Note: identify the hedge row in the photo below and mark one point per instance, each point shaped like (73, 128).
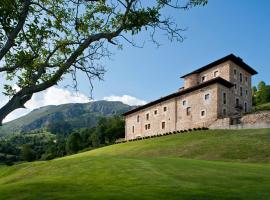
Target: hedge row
(164, 134)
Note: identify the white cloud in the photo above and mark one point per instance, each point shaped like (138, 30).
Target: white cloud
(57, 96)
(132, 101)
(51, 96)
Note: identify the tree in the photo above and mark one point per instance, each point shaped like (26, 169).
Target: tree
(73, 144)
(42, 41)
(115, 129)
(62, 127)
(261, 85)
(27, 153)
(254, 92)
(262, 94)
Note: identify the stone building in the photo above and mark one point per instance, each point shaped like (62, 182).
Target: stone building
(219, 91)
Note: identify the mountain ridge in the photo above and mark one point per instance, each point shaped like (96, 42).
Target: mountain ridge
(73, 115)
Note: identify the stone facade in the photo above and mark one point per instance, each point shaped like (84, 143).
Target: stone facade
(220, 90)
(259, 119)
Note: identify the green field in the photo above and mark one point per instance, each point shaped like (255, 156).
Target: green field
(202, 165)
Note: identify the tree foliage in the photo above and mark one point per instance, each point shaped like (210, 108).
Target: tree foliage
(41, 145)
(27, 153)
(41, 41)
(261, 93)
(73, 143)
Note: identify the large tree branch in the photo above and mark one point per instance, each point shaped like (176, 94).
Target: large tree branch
(8, 69)
(50, 66)
(25, 94)
(14, 33)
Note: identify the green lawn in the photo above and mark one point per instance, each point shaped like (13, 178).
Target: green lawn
(193, 166)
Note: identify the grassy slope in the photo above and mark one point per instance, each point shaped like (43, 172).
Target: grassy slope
(159, 168)
(265, 106)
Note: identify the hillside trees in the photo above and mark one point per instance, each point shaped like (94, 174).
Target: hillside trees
(42, 41)
(73, 143)
(27, 153)
(42, 145)
(261, 93)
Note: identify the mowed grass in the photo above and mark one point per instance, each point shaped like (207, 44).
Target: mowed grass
(201, 165)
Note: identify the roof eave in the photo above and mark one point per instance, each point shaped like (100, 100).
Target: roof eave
(186, 91)
(231, 57)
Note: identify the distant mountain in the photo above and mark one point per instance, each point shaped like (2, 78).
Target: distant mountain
(67, 116)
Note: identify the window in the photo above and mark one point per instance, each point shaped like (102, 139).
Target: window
(241, 91)
(235, 88)
(155, 112)
(132, 129)
(246, 92)
(245, 107)
(163, 124)
(203, 113)
(235, 73)
(224, 98)
(188, 111)
(206, 97)
(184, 103)
(241, 77)
(246, 79)
(215, 74)
(147, 126)
(237, 102)
(224, 111)
(138, 118)
(147, 116)
(165, 109)
(203, 78)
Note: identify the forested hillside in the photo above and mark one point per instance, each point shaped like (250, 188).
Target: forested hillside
(63, 119)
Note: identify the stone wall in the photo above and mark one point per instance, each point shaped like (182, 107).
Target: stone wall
(259, 119)
(148, 121)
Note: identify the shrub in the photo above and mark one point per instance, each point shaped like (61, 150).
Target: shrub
(189, 129)
(9, 163)
(48, 156)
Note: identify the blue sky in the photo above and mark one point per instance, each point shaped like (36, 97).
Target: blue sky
(221, 27)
